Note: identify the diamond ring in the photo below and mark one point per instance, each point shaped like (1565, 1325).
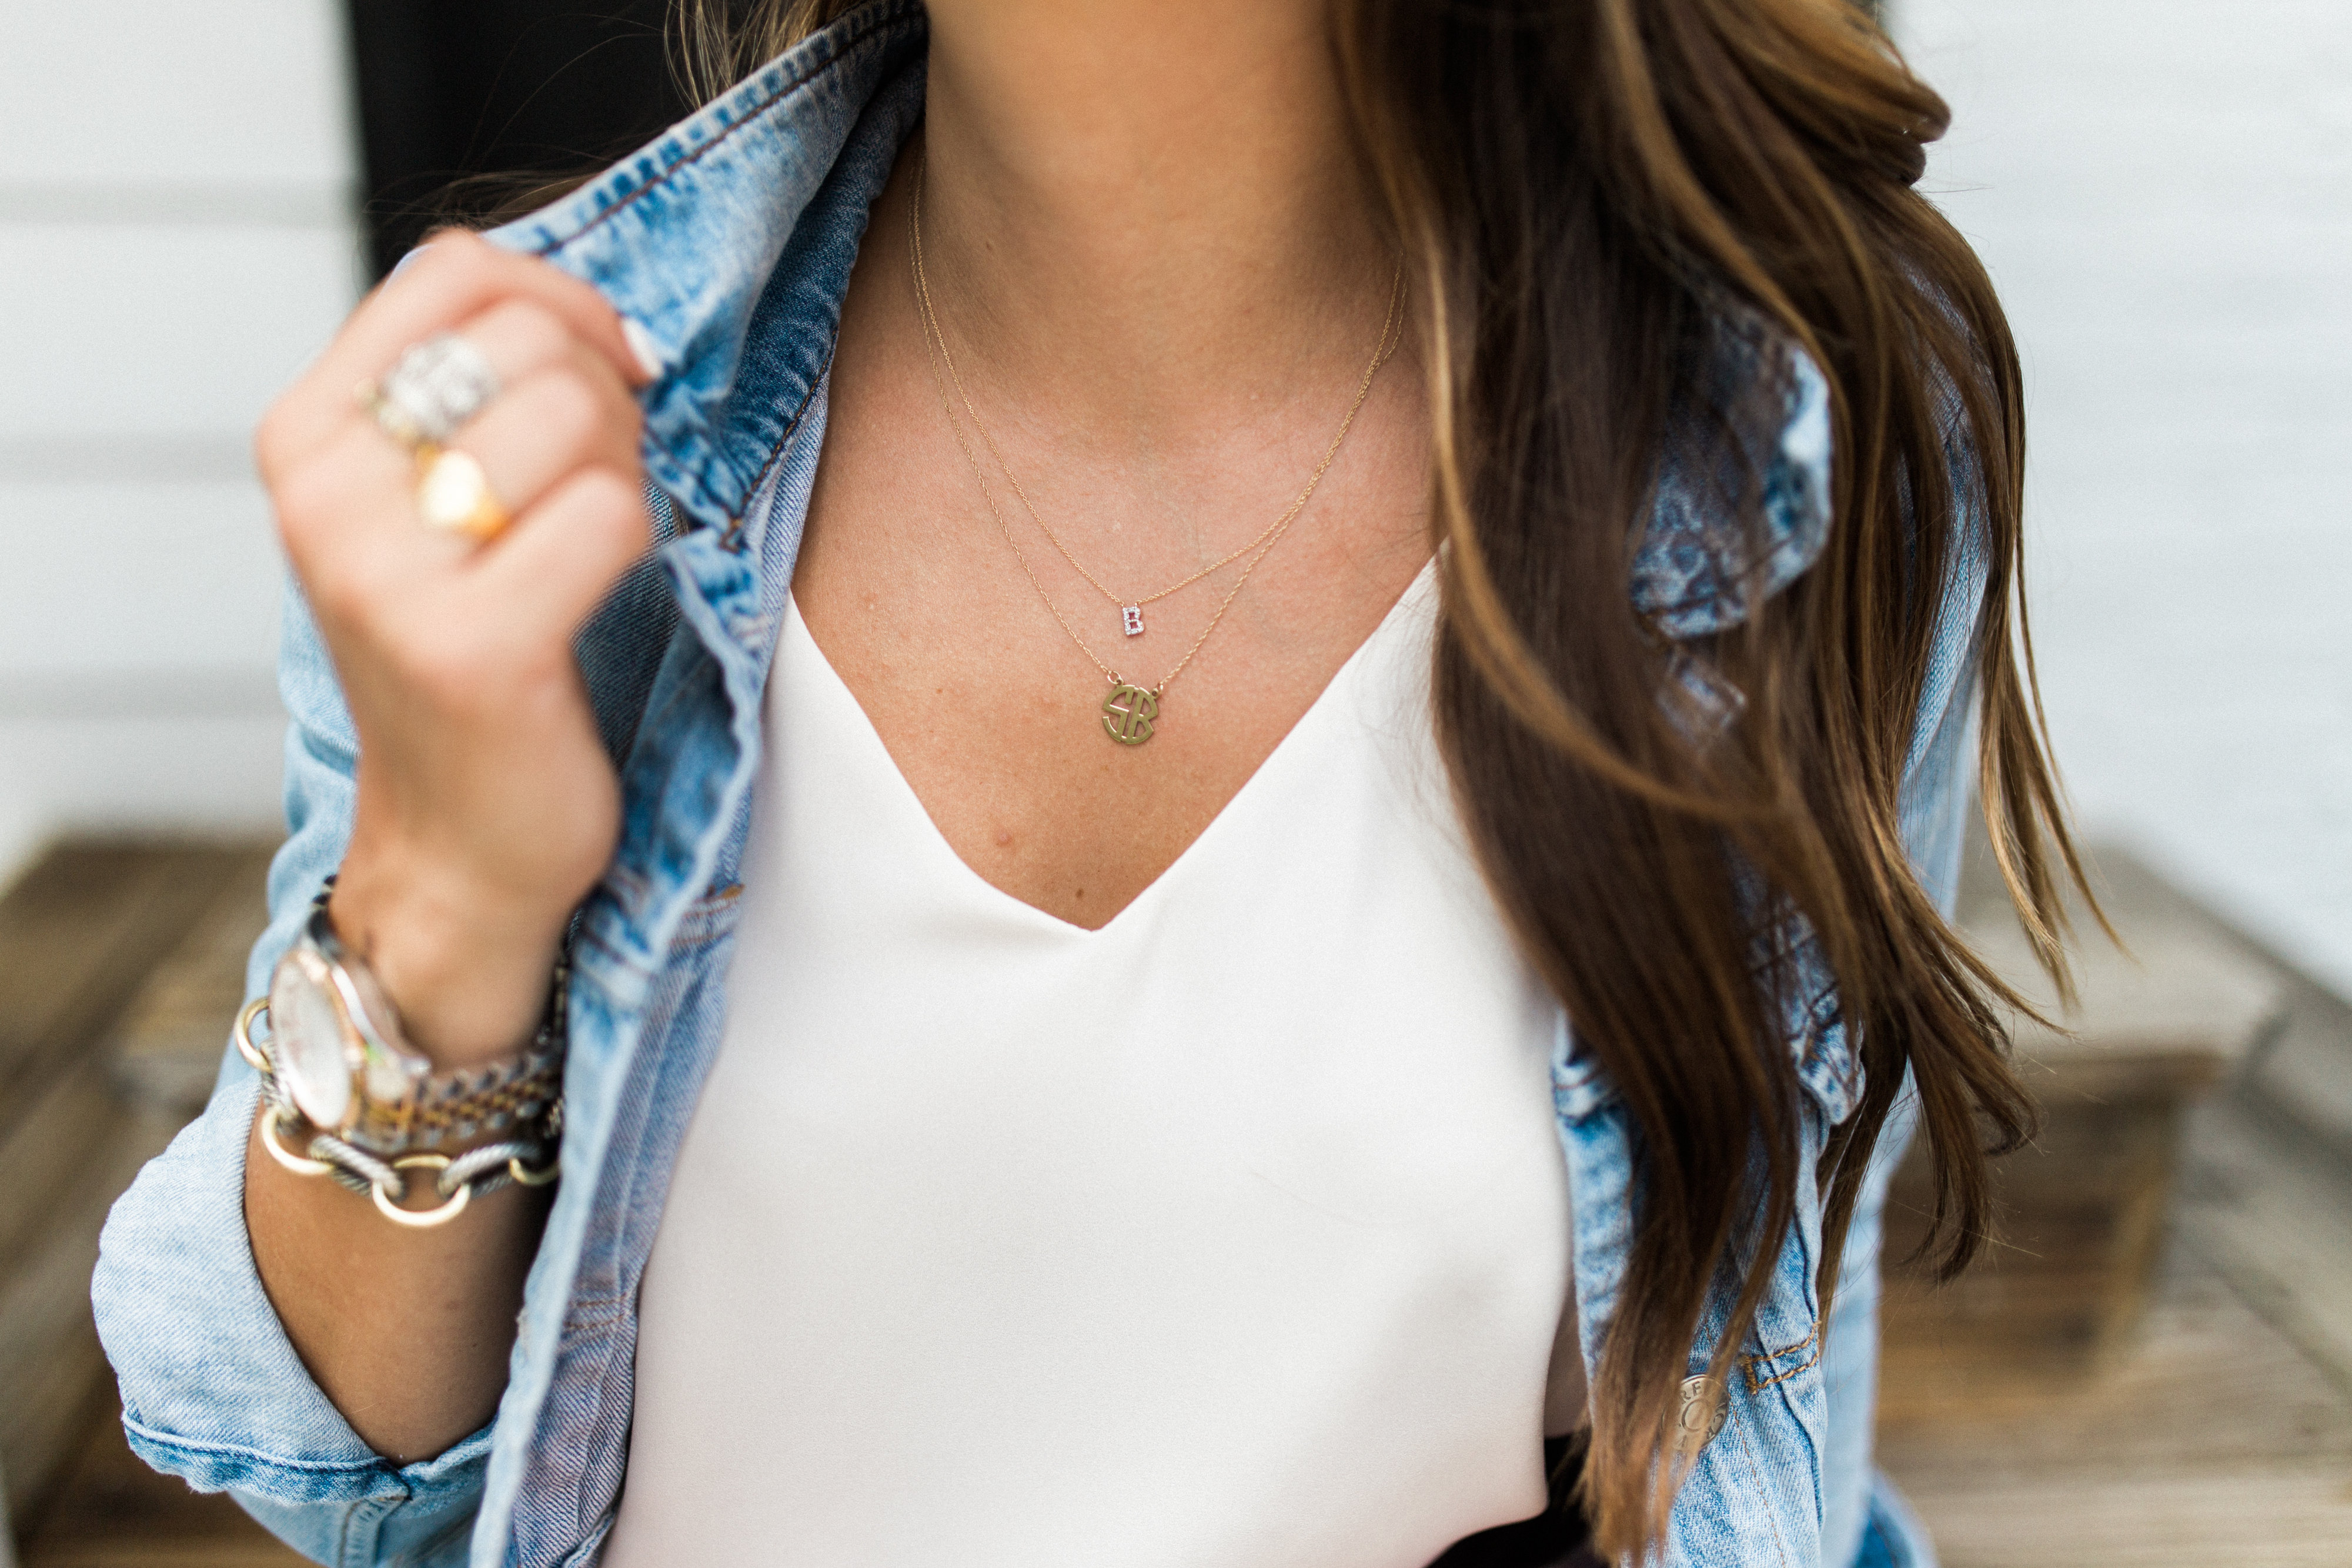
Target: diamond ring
(427, 397)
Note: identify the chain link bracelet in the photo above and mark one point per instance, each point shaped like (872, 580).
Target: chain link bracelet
(458, 1179)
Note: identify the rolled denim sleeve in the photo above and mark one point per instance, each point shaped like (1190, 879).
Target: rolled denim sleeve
(213, 1391)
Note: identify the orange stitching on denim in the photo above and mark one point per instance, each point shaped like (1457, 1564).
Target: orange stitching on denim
(706, 920)
(1758, 1386)
(884, 18)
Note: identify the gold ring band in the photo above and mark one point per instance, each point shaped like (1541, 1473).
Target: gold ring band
(243, 1035)
(453, 495)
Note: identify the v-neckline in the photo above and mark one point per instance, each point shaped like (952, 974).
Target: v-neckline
(936, 844)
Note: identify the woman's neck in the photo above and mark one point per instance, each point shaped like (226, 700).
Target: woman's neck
(1151, 213)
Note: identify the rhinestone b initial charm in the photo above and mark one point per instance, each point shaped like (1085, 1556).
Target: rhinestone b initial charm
(1130, 618)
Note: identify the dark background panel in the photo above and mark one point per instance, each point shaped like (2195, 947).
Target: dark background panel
(468, 105)
(465, 104)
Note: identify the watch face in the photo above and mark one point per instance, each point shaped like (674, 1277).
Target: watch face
(391, 1075)
(306, 1021)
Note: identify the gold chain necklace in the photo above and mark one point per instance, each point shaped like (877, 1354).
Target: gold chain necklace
(1130, 711)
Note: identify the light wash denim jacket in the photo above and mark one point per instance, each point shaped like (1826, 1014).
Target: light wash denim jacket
(728, 244)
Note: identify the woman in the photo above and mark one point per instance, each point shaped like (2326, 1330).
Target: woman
(1265, 618)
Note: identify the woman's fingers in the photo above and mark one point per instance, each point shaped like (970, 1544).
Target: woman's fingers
(356, 499)
(348, 520)
(557, 445)
(554, 564)
(571, 413)
(520, 336)
(459, 277)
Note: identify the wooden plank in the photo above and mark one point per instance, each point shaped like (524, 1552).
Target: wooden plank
(43, 1153)
(2272, 1211)
(168, 1553)
(2207, 1376)
(167, 1045)
(105, 1509)
(2307, 1076)
(78, 933)
(2080, 1222)
(2299, 1517)
(2080, 1215)
(2304, 1073)
(50, 1409)
(115, 1513)
(2176, 1009)
(2211, 1439)
(49, 1360)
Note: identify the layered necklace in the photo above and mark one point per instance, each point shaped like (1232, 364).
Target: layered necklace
(1131, 710)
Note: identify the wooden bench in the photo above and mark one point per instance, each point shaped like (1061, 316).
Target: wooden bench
(120, 966)
(2082, 1211)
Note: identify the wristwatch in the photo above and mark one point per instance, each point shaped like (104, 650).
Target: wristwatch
(337, 1054)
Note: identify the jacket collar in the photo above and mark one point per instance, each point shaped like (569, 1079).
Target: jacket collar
(727, 245)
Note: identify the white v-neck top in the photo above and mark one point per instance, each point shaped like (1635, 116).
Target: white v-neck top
(1233, 1233)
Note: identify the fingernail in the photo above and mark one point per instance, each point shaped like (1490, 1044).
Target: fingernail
(641, 343)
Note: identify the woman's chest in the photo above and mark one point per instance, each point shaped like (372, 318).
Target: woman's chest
(984, 596)
(1259, 1180)
(1317, 998)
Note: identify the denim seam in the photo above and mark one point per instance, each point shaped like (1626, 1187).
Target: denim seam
(590, 974)
(593, 1542)
(366, 1515)
(732, 537)
(611, 1301)
(698, 927)
(884, 18)
(708, 918)
(1756, 1474)
(236, 1450)
(585, 1326)
(708, 928)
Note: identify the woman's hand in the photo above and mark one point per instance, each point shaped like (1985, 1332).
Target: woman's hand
(486, 805)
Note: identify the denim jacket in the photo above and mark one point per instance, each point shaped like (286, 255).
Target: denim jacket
(727, 246)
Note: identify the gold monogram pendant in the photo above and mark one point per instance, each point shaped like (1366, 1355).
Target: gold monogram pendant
(1128, 713)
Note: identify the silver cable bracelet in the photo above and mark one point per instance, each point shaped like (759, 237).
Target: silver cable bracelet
(459, 1180)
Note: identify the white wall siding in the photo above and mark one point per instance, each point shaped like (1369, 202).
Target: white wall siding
(229, 93)
(123, 582)
(143, 330)
(176, 241)
(2163, 192)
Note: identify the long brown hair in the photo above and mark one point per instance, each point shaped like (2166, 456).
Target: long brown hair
(1586, 190)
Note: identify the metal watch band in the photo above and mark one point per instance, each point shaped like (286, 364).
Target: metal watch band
(449, 1106)
(383, 1144)
(457, 1181)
